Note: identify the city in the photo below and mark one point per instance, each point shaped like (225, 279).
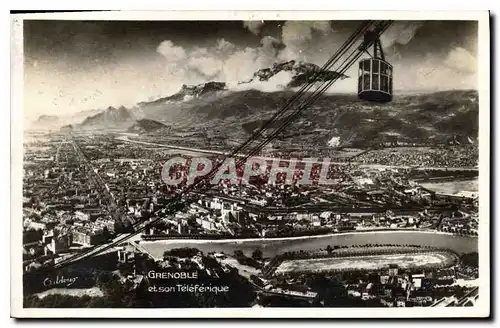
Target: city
(83, 190)
(282, 165)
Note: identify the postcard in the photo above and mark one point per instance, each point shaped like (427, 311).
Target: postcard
(250, 164)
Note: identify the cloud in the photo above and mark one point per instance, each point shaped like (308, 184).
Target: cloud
(254, 26)
(222, 61)
(315, 42)
(400, 32)
(460, 60)
(224, 47)
(309, 41)
(304, 39)
(299, 31)
(199, 51)
(271, 46)
(206, 66)
(139, 78)
(170, 51)
(433, 73)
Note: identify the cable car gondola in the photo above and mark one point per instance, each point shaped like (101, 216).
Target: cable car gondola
(375, 74)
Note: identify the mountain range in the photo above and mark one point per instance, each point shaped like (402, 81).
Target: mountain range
(111, 117)
(188, 92)
(422, 118)
(213, 106)
(121, 117)
(301, 73)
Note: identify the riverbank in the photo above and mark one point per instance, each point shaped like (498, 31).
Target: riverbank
(239, 240)
(273, 246)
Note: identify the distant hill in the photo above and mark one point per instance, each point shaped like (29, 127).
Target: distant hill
(110, 118)
(146, 126)
(47, 119)
(78, 117)
(190, 91)
(68, 127)
(55, 122)
(47, 122)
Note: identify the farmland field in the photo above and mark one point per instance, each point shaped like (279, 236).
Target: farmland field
(369, 262)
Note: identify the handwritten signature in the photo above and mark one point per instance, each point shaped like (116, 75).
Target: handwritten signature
(60, 280)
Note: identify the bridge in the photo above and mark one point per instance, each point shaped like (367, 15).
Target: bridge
(138, 247)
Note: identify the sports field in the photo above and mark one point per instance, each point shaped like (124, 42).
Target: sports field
(368, 262)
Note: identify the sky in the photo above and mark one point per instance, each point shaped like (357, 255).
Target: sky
(72, 66)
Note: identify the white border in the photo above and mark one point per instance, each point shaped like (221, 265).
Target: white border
(482, 308)
(484, 162)
(262, 15)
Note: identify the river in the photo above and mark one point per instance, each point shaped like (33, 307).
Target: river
(272, 247)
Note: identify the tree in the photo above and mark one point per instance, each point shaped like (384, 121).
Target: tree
(257, 254)
(125, 269)
(185, 252)
(104, 278)
(329, 249)
(470, 259)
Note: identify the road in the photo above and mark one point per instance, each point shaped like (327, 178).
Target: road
(94, 173)
(104, 188)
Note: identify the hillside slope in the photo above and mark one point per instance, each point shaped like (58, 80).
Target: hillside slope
(436, 117)
(111, 118)
(146, 126)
